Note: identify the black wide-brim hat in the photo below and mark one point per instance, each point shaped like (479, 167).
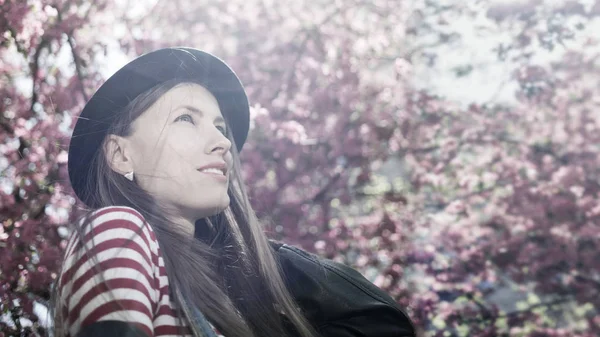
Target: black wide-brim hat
(136, 77)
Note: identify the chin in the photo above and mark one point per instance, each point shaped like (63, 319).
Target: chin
(213, 208)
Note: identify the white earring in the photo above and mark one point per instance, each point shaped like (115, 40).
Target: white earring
(129, 176)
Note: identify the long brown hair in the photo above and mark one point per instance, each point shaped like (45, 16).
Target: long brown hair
(231, 273)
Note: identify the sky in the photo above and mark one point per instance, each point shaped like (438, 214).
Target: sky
(489, 81)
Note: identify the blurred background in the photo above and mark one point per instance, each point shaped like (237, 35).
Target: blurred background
(448, 150)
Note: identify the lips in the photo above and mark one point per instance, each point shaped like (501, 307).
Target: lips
(218, 168)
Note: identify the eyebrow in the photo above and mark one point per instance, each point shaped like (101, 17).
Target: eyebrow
(199, 112)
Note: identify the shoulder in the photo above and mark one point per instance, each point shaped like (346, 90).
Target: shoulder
(116, 219)
(113, 226)
(112, 213)
(337, 298)
(111, 271)
(114, 238)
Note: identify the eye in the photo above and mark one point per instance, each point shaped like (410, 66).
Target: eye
(185, 118)
(222, 129)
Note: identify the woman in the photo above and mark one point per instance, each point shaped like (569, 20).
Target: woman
(171, 245)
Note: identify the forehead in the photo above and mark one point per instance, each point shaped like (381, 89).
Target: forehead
(185, 95)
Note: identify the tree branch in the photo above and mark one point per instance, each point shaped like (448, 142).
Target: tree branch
(464, 142)
(20, 48)
(562, 300)
(76, 58)
(302, 48)
(558, 301)
(321, 194)
(77, 62)
(35, 66)
(588, 280)
(487, 313)
(442, 205)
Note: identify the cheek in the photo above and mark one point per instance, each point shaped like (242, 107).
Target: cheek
(184, 147)
(174, 154)
(184, 142)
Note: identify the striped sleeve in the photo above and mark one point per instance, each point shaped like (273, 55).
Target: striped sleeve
(115, 278)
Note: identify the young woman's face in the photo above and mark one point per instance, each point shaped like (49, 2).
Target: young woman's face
(180, 152)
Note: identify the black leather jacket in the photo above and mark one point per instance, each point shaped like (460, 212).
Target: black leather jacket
(338, 300)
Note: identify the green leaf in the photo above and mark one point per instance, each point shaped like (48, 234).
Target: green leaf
(501, 323)
(533, 299)
(438, 323)
(463, 330)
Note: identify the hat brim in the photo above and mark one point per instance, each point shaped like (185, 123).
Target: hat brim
(138, 76)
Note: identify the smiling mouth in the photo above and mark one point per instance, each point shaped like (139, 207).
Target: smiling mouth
(213, 170)
(216, 173)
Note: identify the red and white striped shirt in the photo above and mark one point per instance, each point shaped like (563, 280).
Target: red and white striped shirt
(133, 273)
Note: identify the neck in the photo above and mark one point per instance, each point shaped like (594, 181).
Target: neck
(182, 224)
(204, 231)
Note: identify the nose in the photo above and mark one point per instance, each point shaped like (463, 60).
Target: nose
(220, 144)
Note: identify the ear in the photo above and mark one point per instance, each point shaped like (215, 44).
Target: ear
(117, 150)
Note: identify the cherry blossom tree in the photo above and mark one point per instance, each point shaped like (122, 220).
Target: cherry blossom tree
(448, 208)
